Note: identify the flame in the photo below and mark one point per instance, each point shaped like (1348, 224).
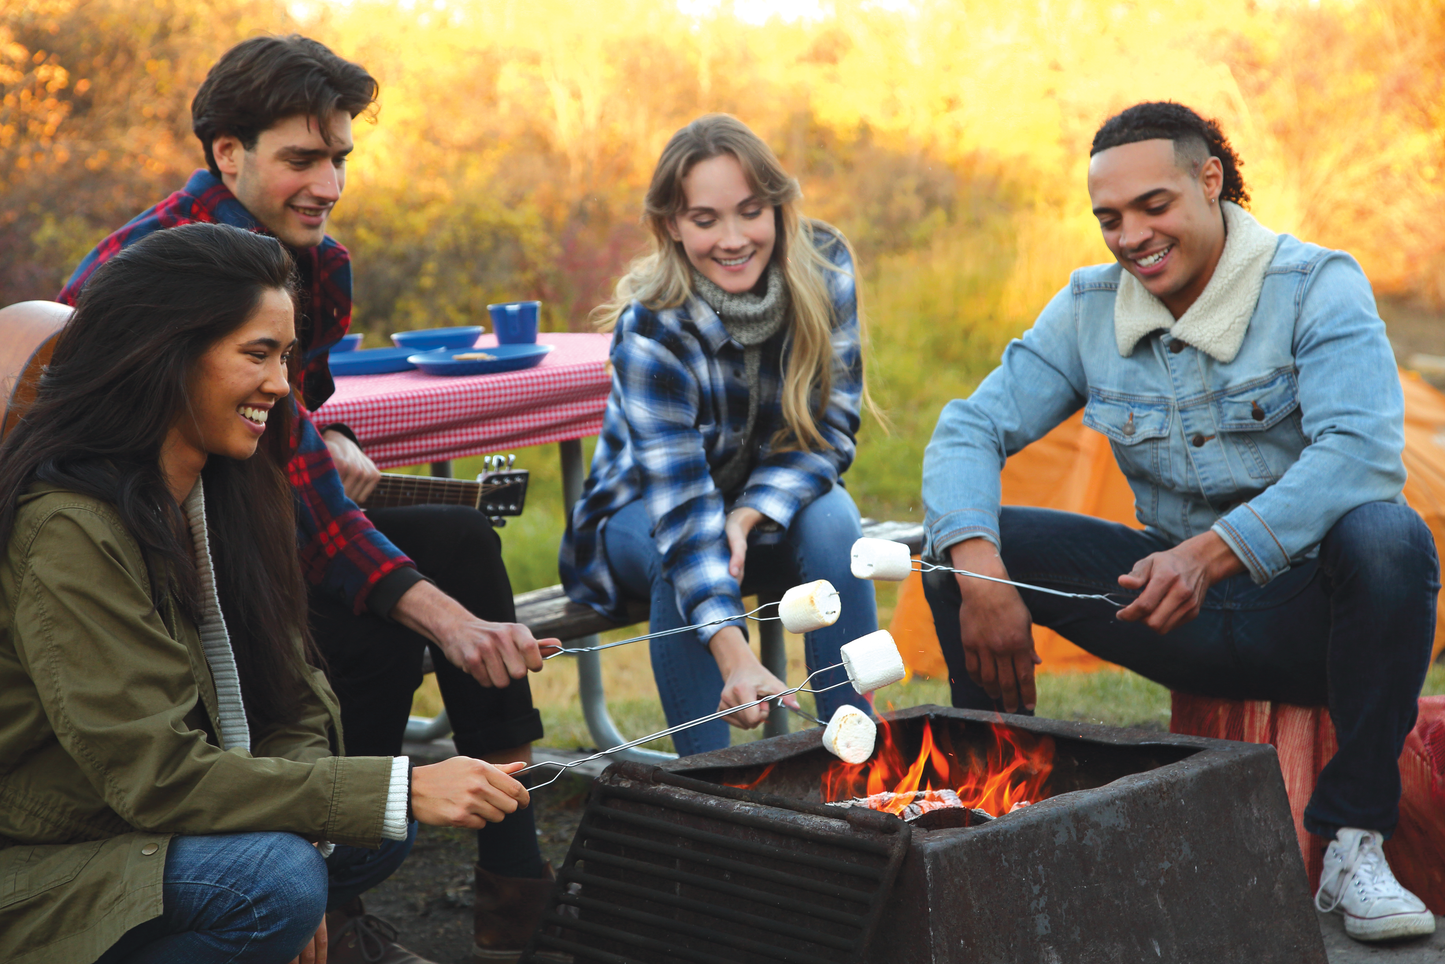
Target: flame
(1015, 769)
(761, 777)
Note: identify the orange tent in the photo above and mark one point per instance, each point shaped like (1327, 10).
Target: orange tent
(1073, 468)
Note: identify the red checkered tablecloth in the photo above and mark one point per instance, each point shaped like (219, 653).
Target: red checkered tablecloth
(407, 418)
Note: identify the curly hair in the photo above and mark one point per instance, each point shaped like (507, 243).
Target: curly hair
(1195, 138)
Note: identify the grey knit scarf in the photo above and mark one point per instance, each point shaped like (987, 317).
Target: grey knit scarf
(750, 319)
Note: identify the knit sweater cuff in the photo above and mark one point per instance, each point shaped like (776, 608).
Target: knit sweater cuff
(393, 823)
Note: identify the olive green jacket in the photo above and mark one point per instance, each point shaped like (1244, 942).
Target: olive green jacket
(108, 741)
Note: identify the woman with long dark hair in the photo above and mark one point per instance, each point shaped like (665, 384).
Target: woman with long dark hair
(169, 754)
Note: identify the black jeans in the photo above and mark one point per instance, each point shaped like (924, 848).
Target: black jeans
(1351, 630)
(375, 664)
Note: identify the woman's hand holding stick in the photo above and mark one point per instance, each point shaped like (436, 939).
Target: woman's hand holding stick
(745, 679)
(463, 792)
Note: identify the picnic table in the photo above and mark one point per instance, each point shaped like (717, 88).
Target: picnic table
(408, 418)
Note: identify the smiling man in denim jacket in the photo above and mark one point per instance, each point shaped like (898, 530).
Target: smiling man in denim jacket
(1245, 383)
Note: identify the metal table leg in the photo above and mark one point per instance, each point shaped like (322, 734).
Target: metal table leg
(424, 729)
(589, 665)
(775, 660)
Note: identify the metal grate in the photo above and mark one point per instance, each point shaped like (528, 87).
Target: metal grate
(665, 868)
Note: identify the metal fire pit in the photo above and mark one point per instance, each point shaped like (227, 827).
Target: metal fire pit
(1152, 847)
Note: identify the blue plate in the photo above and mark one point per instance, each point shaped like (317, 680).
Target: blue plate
(505, 358)
(431, 339)
(347, 343)
(371, 361)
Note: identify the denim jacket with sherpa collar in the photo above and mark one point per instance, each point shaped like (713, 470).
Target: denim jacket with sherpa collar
(1291, 418)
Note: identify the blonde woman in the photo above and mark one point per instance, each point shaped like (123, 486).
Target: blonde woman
(738, 378)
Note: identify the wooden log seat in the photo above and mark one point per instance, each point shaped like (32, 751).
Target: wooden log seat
(1304, 738)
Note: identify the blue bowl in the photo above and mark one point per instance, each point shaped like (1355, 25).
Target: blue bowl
(504, 358)
(347, 343)
(371, 361)
(430, 339)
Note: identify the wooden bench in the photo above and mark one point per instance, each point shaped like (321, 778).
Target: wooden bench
(549, 613)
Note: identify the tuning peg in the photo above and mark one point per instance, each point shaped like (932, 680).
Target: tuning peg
(511, 461)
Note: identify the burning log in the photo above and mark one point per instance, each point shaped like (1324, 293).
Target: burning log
(1014, 772)
(912, 805)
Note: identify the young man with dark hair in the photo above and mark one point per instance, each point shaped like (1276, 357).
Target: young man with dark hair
(1245, 383)
(274, 118)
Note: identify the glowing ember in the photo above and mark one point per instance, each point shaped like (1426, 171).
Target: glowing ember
(1013, 773)
(761, 777)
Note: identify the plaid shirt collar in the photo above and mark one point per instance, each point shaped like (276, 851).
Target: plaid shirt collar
(709, 326)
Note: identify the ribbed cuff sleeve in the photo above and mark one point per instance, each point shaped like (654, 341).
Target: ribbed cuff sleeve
(393, 824)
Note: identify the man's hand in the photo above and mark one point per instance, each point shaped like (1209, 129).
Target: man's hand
(996, 629)
(744, 678)
(359, 474)
(740, 522)
(493, 654)
(1172, 584)
(462, 792)
(315, 950)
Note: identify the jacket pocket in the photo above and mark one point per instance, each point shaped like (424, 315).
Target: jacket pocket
(31, 871)
(1260, 421)
(1138, 431)
(1258, 406)
(1127, 421)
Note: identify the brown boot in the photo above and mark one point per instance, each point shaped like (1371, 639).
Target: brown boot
(508, 911)
(355, 937)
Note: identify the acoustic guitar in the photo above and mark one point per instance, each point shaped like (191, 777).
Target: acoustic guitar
(28, 330)
(27, 340)
(499, 493)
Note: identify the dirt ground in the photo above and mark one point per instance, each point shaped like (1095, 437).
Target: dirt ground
(430, 898)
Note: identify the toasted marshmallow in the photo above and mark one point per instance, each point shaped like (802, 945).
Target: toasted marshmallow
(873, 661)
(810, 606)
(850, 734)
(881, 559)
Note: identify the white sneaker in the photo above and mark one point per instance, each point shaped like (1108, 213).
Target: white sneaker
(1358, 883)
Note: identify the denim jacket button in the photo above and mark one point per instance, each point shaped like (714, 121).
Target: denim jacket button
(1198, 441)
(150, 848)
(1176, 346)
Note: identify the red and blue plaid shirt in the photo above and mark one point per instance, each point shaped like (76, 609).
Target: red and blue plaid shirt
(341, 551)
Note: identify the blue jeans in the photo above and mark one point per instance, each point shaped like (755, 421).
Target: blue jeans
(220, 907)
(815, 546)
(1351, 629)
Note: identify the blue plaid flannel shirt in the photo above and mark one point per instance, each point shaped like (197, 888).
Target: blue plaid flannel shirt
(677, 410)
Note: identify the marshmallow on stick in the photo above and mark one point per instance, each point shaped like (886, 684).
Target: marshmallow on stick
(850, 734)
(881, 559)
(810, 606)
(873, 661)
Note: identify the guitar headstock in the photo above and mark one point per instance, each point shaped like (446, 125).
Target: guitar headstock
(504, 492)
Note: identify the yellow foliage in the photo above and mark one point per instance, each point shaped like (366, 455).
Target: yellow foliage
(515, 139)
